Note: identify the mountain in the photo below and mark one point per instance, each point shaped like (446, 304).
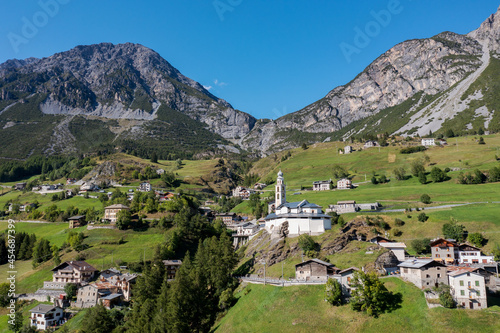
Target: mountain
(418, 86)
(126, 96)
(122, 93)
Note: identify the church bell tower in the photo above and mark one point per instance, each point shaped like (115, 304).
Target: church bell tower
(280, 190)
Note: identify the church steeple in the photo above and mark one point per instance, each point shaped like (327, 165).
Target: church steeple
(280, 190)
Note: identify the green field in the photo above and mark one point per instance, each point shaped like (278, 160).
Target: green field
(303, 309)
(104, 250)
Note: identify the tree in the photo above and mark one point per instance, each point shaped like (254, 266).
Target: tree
(422, 217)
(16, 324)
(97, 320)
(449, 133)
(417, 166)
(480, 131)
(124, 219)
(339, 172)
(476, 239)
(154, 158)
(75, 239)
(382, 179)
(333, 292)
(4, 295)
(438, 175)
(481, 141)
(55, 254)
(304, 146)
(399, 173)
(445, 298)
(454, 230)
(421, 246)
(306, 243)
(374, 180)
(370, 295)
(425, 198)
(422, 178)
(71, 289)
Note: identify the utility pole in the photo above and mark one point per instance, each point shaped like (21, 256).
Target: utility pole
(282, 270)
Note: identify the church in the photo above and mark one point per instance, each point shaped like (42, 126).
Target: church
(297, 217)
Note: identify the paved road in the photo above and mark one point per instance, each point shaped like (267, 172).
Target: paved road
(428, 208)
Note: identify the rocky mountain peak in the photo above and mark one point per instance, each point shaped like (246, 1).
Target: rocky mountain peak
(489, 32)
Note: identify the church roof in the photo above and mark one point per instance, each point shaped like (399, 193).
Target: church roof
(296, 215)
(303, 203)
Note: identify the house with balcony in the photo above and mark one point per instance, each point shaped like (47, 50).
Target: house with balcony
(73, 272)
(322, 185)
(111, 212)
(468, 254)
(445, 251)
(344, 184)
(44, 316)
(172, 266)
(468, 288)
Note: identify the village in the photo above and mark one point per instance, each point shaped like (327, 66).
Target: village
(467, 274)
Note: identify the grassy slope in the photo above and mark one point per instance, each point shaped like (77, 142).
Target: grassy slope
(104, 250)
(302, 309)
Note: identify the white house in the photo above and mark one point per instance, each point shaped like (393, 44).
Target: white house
(468, 254)
(347, 149)
(145, 187)
(344, 183)
(322, 185)
(428, 142)
(468, 288)
(44, 316)
(370, 144)
(397, 248)
(301, 217)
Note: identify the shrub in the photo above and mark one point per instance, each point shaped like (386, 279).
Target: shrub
(411, 150)
(333, 292)
(422, 217)
(421, 246)
(399, 222)
(397, 232)
(476, 239)
(425, 198)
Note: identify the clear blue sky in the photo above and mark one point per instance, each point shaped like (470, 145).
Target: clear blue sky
(266, 58)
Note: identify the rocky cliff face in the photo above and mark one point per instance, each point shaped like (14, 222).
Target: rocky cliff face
(125, 81)
(425, 68)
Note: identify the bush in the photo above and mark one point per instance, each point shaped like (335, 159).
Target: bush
(425, 198)
(422, 217)
(421, 246)
(306, 243)
(411, 150)
(476, 239)
(397, 232)
(399, 222)
(333, 292)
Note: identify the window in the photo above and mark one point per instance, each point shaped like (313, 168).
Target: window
(461, 283)
(439, 275)
(462, 293)
(477, 283)
(478, 293)
(427, 276)
(437, 256)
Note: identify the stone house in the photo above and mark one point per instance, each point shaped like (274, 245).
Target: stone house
(111, 212)
(44, 316)
(73, 272)
(20, 186)
(424, 273)
(344, 184)
(172, 266)
(468, 288)
(346, 206)
(315, 270)
(397, 248)
(88, 296)
(445, 250)
(347, 149)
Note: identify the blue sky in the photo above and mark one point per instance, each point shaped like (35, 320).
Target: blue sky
(267, 58)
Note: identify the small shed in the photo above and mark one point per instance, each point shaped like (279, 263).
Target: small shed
(315, 269)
